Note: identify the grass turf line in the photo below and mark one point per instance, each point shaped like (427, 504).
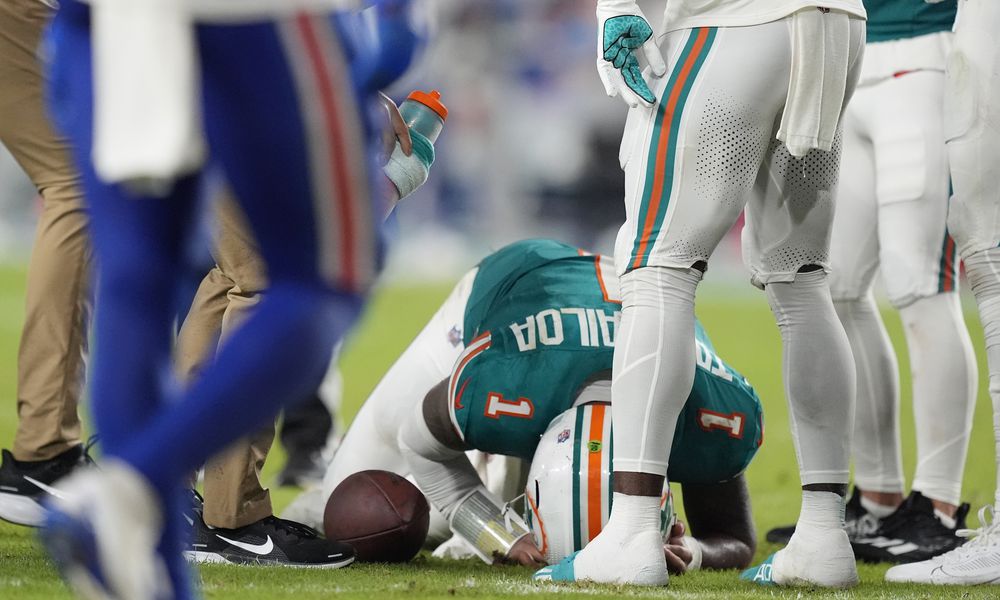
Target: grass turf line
(743, 332)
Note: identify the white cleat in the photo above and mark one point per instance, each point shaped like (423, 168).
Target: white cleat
(977, 562)
(813, 557)
(102, 532)
(614, 558)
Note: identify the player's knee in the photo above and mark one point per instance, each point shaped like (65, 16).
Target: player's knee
(809, 268)
(653, 286)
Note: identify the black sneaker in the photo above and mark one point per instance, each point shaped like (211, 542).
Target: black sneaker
(858, 523)
(911, 534)
(270, 541)
(303, 469)
(24, 485)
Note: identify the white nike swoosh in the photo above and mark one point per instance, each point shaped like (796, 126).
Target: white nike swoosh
(260, 549)
(48, 489)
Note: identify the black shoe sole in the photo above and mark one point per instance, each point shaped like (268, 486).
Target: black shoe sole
(221, 559)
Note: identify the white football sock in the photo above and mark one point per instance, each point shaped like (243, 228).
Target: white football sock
(880, 511)
(822, 509)
(654, 365)
(635, 513)
(983, 269)
(819, 374)
(943, 368)
(946, 520)
(878, 465)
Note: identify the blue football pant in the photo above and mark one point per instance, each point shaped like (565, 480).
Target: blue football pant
(290, 136)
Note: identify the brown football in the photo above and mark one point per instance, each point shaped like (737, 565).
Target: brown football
(381, 514)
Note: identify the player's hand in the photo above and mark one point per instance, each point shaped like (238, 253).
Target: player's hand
(525, 552)
(622, 31)
(678, 555)
(397, 130)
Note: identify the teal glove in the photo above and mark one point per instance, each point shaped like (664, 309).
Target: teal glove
(623, 30)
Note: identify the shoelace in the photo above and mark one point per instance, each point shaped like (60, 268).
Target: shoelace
(988, 534)
(293, 528)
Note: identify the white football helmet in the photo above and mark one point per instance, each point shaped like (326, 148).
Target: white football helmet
(568, 493)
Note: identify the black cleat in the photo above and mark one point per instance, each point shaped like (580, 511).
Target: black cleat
(270, 541)
(24, 485)
(858, 522)
(911, 534)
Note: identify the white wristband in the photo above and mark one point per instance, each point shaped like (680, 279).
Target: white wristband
(407, 173)
(490, 527)
(696, 552)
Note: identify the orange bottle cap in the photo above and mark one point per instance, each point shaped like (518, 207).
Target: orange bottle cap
(431, 101)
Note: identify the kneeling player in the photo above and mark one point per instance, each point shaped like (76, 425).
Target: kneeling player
(522, 339)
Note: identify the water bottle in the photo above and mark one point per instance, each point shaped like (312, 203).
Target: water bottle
(424, 113)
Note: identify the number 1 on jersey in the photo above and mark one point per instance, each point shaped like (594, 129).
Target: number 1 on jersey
(497, 406)
(732, 423)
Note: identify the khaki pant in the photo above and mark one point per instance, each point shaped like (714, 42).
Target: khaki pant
(53, 342)
(234, 496)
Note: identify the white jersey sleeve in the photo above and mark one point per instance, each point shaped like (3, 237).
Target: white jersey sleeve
(688, 14)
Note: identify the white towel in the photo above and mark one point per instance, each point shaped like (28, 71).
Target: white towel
(821, 43)
(147, 120)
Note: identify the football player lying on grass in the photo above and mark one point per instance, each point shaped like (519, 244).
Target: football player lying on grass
(523, 347)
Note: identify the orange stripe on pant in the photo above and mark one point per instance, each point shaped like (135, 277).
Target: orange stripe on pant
(661, 149)
(338, 151)
(594, 494)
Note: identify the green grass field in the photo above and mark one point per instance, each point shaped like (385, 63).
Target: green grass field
(743, 332)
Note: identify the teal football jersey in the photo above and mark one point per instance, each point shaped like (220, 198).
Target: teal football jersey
(540, 324)
(898, 19)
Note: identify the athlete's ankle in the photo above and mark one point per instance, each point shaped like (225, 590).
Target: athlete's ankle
(822, 510)
(634, 513)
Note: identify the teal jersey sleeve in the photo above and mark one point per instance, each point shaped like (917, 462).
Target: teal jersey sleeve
(900, 19)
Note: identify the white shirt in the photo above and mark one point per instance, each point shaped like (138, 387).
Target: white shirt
(687, 14)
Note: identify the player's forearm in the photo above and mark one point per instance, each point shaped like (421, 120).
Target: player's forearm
(450, 482)
(720, 518)
(444, 474)
(721, 551)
